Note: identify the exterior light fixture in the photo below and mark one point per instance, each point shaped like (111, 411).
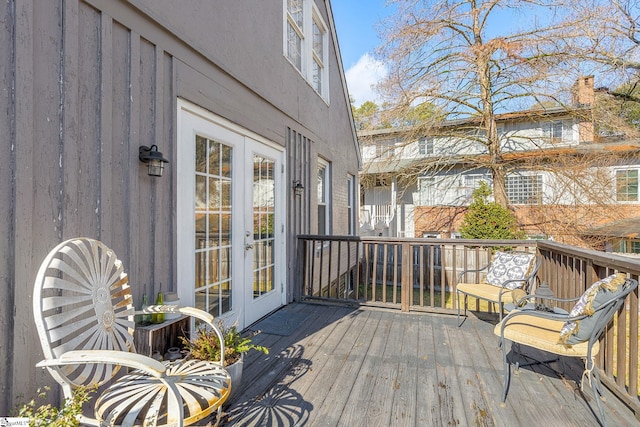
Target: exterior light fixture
(153, 158)
(298, 188)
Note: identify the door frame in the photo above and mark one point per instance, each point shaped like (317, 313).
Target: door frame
(235, 136)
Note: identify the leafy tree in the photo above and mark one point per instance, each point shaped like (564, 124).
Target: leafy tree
(489, 220)
(366, 116)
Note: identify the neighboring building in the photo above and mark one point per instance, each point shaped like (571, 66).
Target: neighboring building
(247, 101)
(620, 236)
(419, 185)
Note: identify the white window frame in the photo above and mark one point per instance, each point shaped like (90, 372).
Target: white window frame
(426, 146)
(324, 195)
(616, 188)
(314, 63)
(472, 182)
(554, 131)
(427, 190)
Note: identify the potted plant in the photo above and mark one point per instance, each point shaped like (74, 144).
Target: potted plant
(205, 346)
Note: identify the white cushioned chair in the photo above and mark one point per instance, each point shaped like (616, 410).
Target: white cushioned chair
(575, 334)
(505, 273)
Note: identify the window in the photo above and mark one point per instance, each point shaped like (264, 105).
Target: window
(425, 146)
(471, 182)
(306, 43)
(351, 202)
(552, 131)
(318, 54)
(627, 185)
(324, 200)
(524, 189)
(384, 151)
(427, 190)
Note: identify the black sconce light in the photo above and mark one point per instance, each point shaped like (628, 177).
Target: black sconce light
(298, 188)
(153, 158)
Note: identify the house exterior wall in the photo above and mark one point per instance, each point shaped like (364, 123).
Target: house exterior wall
(86, 83)
(441, 194)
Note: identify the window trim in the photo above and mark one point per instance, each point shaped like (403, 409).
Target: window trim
(326, 195)
(311, 18)
(426, 146)
(616, 187)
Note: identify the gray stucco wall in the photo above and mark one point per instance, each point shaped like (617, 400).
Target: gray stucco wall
(84, 84)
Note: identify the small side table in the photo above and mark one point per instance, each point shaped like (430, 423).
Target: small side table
(160, 336)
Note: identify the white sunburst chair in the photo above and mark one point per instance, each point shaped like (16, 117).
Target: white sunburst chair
(85, 319)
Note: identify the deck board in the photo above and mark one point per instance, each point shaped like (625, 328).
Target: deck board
(350, 366)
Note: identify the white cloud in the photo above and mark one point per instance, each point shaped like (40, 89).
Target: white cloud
(363, 77)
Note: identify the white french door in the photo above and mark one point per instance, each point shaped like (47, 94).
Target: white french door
(230, 214)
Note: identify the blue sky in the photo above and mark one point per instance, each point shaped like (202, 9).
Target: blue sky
(355, 23)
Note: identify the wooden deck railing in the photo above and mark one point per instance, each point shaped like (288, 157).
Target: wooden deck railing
(372, 271)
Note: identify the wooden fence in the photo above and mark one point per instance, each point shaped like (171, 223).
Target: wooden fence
(372, 271)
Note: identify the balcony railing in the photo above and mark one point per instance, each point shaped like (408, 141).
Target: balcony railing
(372, 271)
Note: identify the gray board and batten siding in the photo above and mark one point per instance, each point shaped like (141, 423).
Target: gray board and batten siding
(84, 84)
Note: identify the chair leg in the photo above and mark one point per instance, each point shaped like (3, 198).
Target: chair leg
(591, 374)
(507, 370)
(465, 308)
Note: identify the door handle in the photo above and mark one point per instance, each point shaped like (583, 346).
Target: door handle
(248, 242)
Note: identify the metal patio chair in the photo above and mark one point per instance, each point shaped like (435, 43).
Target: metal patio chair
(574, 334)
(85, 319)
(507, 271)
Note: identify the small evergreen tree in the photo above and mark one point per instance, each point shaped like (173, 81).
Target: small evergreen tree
(489, 220)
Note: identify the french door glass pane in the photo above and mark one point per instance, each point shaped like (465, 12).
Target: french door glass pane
(213, 282)
(263, 224)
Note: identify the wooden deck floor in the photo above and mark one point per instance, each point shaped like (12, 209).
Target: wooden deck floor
(369, 367)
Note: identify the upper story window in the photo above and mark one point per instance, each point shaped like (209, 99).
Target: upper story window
(324, 197)
(524, 189)
(384, 150)
(627, 185)
(552, 131)
(306, 43)
(425, 146)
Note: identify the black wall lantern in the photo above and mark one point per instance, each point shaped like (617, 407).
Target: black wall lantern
(153, 158)
(298, 188)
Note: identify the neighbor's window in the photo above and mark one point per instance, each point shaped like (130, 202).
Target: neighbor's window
(425, 146)
(524, 189)
(324, 200)
(427, 191)
(627, 185)
(552, 131)
(306, 43)
(471, 182)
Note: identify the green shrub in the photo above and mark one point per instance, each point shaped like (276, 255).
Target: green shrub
(47, 415)
(489, 220)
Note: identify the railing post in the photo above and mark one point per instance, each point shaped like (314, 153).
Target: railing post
(406, 286)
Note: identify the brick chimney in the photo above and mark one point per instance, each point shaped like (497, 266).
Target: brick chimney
(582, 91)
(584, 96)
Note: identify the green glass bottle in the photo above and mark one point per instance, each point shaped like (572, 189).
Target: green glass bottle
(159, 317)
(146, 318)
